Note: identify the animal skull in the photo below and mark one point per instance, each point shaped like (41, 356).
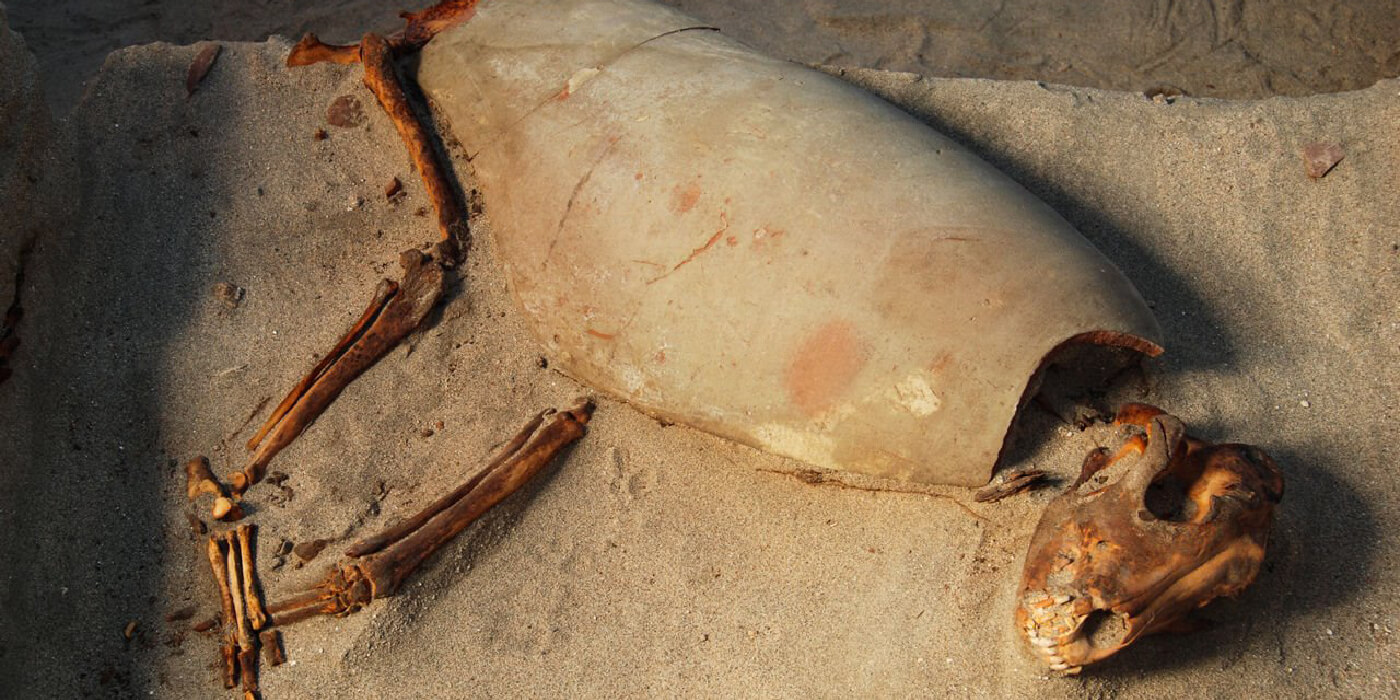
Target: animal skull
(1142, 538)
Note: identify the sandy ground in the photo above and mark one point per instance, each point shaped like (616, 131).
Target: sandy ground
(1209, 48)
(653, 560)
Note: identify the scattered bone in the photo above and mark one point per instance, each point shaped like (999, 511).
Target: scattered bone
(226, 509)
(1015, 482)
(228, 294)
(311, 50)
(346, 112)
(1320, 158)
(199, 478)
(393, 313)
(199, 67)
(205, 625)
(273, 652)
(377, 566)
(393, 189)
(130, 630)
(306, 551)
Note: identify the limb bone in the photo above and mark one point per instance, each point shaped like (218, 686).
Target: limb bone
(394, 312)
(378, 566)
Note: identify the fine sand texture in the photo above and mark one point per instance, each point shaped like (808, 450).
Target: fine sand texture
(1209, 48)
(652, 560)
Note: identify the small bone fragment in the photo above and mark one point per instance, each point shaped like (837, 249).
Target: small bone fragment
(130, 630)
(226, 510)
(1320, 158)
(199, 67)
(393, 313)
(252, 592)
(1014, 483)
(272, 647)
(200, 479)
(354, 582)
(392, 188)
(306, 551)
(205, 625)
(310, 50)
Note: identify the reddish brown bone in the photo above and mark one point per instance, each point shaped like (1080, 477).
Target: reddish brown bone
(227, 648)
(382, 79)
(388, 318)
(354, 582)
(402, 529)
(419, 28)
(394, 312)
(252, 590)
(1144, 537)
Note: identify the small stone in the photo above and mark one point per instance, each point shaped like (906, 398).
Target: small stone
(229, 294)
(306, 551)
(1320, 158)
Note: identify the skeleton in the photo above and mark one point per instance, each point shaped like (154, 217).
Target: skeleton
(1143, 538)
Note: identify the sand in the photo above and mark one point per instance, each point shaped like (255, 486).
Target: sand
(653, 559)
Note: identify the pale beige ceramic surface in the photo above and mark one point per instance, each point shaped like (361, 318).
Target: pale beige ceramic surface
(688, 227)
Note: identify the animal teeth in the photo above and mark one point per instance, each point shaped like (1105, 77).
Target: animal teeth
(1060, 599)
(1043, 641)
(1059, 667)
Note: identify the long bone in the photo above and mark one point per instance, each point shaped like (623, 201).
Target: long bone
(376, 568)
(395, 310)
